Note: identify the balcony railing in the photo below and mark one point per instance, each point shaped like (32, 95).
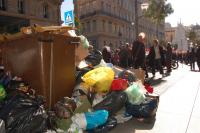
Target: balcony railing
(101, 12)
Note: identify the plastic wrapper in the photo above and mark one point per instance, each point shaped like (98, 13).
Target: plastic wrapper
(149, 88)
(63, 124)
(135, 94)
(2, 93)
(89, 120)
(95, 119)
(117, 70)
(99, 78)
(97, 99)
(65, 107)
(108, 126)
(128, 75)
(2, 126)
(82, 50)
(121, 118)
(113, 102)
(5, 78)
(94, 58)
(80, 73)
(101, 64)
(119, 84)
(83, 104)
(146, 109)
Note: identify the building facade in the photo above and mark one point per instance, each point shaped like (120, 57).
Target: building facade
(177, 35)
(111, 22)
(169, 32)
(15, 14)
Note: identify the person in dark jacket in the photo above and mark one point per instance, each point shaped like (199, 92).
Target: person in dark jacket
(129, 50)
(169, 57)
(123, 55)
(106, 52)
(155, 57)
(138, 52)
(192, 59)
(198, 57)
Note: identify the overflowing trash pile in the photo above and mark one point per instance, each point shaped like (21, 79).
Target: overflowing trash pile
(104, 96)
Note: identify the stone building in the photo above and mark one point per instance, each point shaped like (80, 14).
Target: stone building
(111, 22)
(15, 14)
(177, 35)
(169, 32)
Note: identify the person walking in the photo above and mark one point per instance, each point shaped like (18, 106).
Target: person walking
(155, 57)
(123, 55)
(198, 57)
(129, 50)
(192, 59)
(138, 52)
(106, 52)
(169, 58)
(115, 57)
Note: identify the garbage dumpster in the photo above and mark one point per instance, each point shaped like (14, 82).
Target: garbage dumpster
(44, 57)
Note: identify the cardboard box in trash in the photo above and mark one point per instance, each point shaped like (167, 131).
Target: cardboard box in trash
(44, 57)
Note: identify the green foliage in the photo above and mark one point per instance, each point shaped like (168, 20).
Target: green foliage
(192, 36)
(158, 10)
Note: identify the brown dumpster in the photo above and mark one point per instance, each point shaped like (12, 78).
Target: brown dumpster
(43, 58)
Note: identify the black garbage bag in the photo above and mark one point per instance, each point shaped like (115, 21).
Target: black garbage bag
(23, 114)
(51, 120)
(146, 109)
(94, 58)
(128, 75)
(108, 126)
(113, 102)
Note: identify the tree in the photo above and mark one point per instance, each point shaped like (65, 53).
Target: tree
(157, 11)
(192, 36)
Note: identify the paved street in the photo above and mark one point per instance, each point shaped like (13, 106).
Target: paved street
(179, 107)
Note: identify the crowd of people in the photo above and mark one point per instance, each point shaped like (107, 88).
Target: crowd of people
(159, 56)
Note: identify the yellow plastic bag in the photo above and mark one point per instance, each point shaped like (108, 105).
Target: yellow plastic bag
(99, 78)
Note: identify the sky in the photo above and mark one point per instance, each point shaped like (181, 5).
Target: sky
(185, 11)
(67, 5)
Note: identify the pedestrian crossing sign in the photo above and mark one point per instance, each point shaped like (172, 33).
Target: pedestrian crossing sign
(69, 18)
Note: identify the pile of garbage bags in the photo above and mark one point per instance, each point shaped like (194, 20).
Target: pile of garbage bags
(21, 111)
(104, 96)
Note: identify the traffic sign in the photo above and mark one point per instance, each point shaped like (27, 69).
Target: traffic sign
(69, 17)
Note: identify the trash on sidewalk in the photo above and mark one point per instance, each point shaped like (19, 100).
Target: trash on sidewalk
(146, 109)
(135, 94)
(99, 78)
(88, 120)
(113, 102)
(128, 75)
(108, 126)
(2, 126)
(85, 97)
(119, 84)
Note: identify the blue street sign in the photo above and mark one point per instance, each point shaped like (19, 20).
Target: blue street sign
(69, 17)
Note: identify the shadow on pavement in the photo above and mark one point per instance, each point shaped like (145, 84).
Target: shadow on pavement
(143, 125)
(132, 125)
(155, 82)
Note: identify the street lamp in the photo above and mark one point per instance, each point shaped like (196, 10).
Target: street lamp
(143, 6)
